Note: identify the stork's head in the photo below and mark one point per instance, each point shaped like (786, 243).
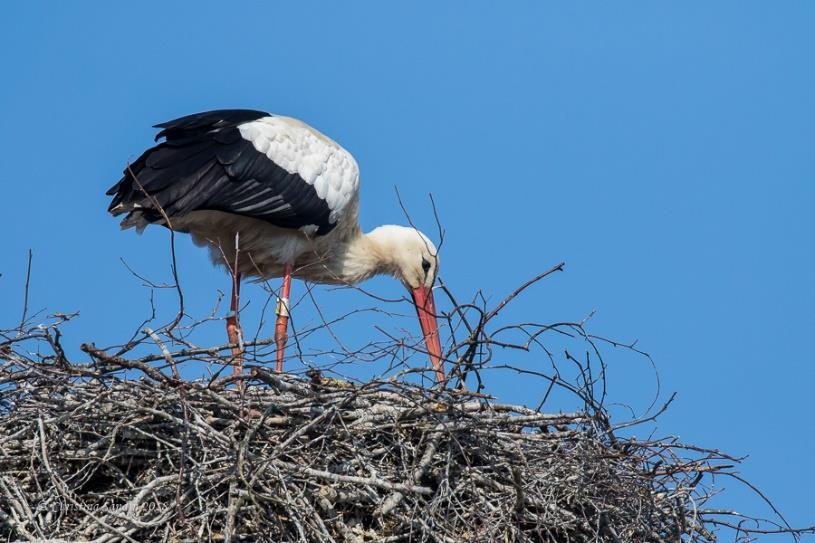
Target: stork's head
(412, 258)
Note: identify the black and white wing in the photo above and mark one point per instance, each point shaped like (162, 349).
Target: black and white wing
(246, 162)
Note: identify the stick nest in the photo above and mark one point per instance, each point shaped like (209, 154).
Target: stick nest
(118, 447)
(322, 460)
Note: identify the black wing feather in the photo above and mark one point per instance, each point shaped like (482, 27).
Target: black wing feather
(205, 164)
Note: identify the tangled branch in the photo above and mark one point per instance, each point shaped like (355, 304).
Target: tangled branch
(118, 447)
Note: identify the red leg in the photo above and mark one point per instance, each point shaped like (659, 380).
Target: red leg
(233, 327)
(282, 325)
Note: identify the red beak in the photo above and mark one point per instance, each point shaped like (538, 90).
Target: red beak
(426, 310)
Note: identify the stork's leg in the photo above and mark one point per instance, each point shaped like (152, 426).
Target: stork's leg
(233, 327)
(280, 332)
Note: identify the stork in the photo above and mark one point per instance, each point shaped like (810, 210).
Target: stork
(283, 195)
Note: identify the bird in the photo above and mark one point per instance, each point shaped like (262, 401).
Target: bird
(272, 197)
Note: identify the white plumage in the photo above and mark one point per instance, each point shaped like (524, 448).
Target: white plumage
(318, 160)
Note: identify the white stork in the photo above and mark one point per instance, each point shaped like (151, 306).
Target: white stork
(287, 195)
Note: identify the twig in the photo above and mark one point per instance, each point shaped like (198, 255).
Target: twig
(25, 292)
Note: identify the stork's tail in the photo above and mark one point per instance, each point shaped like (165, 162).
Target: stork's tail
(129, 197)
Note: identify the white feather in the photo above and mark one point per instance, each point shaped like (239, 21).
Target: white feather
(300, 149)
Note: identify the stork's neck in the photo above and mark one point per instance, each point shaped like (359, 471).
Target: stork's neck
(367, 255)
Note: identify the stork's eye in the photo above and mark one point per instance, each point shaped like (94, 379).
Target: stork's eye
(425, 265)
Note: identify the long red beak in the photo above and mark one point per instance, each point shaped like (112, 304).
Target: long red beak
(426, 310)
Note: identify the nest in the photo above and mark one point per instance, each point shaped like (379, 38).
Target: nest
(289, 459)
(118, 447)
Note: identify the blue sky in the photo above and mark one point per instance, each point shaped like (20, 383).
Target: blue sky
(663, 150)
